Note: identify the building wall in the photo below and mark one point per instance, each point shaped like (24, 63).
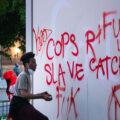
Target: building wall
(75, 63)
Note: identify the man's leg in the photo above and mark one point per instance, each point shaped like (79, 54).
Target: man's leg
(28, 112)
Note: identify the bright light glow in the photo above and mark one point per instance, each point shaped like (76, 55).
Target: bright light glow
(17, 50)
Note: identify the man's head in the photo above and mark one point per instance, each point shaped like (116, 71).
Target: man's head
(29, 61)
(16, 65)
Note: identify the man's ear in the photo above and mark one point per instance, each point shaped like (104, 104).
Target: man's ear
(27, 65)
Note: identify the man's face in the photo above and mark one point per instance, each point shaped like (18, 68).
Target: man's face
(32, 64)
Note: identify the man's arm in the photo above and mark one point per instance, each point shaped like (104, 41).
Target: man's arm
(43, 95)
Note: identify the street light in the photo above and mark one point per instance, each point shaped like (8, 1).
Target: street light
(17, 51)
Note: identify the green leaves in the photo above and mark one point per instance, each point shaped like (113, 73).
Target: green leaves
(6, 55)
(12, 24)
(3, 7)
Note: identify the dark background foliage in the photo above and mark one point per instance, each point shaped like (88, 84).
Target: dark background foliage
(12, 25)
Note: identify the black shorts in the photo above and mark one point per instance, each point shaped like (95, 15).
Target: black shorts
(21, 109)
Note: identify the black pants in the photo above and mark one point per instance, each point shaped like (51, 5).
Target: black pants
(21, 109)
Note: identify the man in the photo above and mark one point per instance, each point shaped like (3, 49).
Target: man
(20, 108)
(16, 69)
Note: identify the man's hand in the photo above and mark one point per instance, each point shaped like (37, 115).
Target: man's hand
(46, 96)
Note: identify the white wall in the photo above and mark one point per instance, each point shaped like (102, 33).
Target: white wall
(91, 24)
(29, 25)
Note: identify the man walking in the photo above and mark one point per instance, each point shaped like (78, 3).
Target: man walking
(20, 108)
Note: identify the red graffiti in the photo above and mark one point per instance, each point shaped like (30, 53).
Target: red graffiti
(105, 25)
(61, 73)
(114, 59)
(113, 99)
(72, 101)
(99, 33)
(41, 36)
(79, 70)
(66, 39)
(50, 71)
(89, 40)
(102, 62)
(76, 72)
(69, 103)
(91, 37)
(72, 68)
(118, 45)
(58, 88)
(116, 35)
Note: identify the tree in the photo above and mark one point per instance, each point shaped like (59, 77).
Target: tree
(12, 25)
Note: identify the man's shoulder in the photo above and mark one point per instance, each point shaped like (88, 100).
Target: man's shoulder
(23, 74)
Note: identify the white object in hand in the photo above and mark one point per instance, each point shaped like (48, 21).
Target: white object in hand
(50, 96)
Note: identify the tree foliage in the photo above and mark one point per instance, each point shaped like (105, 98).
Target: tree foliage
(12, 24)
